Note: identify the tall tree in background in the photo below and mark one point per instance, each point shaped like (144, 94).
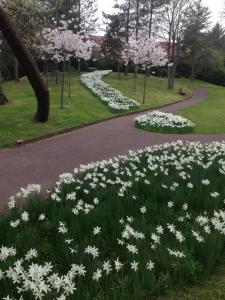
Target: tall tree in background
(125, 14)
(149, 15)
(84, 13)
(216, 37)
(197, 21)
(171, 27)
(113, 45)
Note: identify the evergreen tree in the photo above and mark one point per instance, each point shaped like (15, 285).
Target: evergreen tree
(82, 11)
(197, 21)
(216, 37)
(112, 45)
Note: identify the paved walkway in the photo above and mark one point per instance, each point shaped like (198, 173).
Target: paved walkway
(42, 162)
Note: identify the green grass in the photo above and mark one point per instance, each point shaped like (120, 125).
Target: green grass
(112, 196)
(207, 115)
(157, 93)
(16, 118)
(211, 289)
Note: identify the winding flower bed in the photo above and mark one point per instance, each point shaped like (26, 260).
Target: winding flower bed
(118, 229)
(114, 99)
(164, 122)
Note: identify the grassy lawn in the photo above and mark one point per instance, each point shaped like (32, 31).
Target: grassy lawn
(208, 115)
(16, 118)
(157, 93)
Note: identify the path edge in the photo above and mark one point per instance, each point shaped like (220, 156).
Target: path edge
(77, 127)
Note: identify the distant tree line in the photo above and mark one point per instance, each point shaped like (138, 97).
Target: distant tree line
(195, 48)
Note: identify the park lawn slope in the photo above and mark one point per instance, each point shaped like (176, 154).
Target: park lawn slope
(209, 114)
(157, 93)
(16, 118)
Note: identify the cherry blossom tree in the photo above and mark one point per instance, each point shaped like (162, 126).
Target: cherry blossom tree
(59, 45)
(83, 48)
(145, 52)
(148, 53)
(127, 54)
(62, 44)
(131, 52)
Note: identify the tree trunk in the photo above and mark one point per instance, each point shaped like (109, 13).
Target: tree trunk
(46, 68)
(145, 83)
(3, 99)
(135, 77)
(1, 89)
(193, 68)
(118, 69)
(62, 87)
(169, 84)
(126, 70)
(137, 19)
(79, 15)
(79, 67)
(128, 22)
(16, 70)
(28, 64)
(43, 67)
(56, 73)
(128, 32)
(150, 21)
(69, 69)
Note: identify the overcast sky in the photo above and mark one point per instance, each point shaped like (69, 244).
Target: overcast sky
(214, 5)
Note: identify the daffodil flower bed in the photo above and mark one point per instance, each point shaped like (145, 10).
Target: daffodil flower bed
(164, 122)
(113, 98)
(125, 228)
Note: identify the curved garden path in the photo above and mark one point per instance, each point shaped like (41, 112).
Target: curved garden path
(42, 161)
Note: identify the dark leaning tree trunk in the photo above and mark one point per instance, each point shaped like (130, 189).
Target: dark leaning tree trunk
(16, 70)
(28, 64)
(3, 99)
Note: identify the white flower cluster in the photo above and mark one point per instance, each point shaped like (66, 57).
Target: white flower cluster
(137, 214)
(157, 119)
(40, 280)
(30, 190)
(113, 98)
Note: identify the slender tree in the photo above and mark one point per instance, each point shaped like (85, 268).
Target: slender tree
(171, 27)
(197, 20)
